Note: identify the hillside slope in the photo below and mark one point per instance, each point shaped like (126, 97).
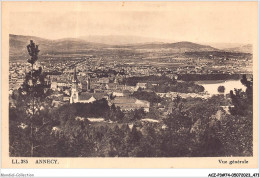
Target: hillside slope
(18, 45)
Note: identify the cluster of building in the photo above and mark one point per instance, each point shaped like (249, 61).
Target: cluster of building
(99, 78)
(101, 68)
(116, 94)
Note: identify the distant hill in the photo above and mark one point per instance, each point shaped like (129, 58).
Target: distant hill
(242, 49)
(183, 46)
(18, 45)
(137, 42)
(119, 39)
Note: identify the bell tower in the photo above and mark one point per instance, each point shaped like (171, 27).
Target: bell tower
(88, 83)
(74, 88)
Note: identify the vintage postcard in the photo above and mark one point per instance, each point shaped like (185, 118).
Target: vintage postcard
(129, 85)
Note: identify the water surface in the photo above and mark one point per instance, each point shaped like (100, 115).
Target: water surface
(211, 86)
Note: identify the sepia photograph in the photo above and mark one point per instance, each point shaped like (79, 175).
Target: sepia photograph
(130, 80)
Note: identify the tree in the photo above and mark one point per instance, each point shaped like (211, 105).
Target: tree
(221, 89)
(236, 135)
(242, 101)
(32, 100)
(150, 143)
(154, 113)
(114, 114)
(237, 128)
(148, 96)
(79, 139)
(249, 87)
(133, 141)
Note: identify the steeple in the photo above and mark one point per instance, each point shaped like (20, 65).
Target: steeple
(74, 88)
(75, 79)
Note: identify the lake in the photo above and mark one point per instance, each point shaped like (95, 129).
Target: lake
(211, 86)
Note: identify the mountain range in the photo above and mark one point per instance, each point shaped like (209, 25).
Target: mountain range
(120, 39)
(18, 45)
(242, 48)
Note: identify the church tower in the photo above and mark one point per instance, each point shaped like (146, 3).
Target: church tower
(74, 88)
(88, 83)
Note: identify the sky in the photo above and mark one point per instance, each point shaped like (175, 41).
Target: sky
(213, 22)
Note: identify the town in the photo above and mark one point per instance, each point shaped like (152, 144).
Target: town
(131, 91)
(92, 77)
